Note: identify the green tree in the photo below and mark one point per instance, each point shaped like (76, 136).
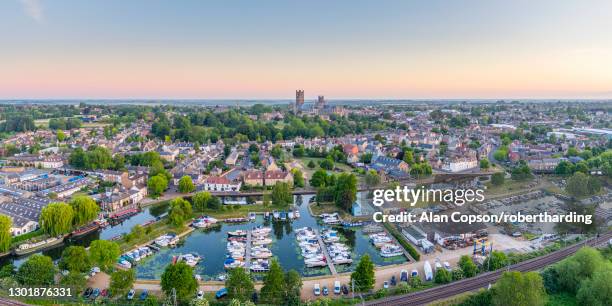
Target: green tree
(596, 291)
(298, 177)
(498, 178)
(75, 259)
(200, 200)
(521, 172)
(318, 178)
(281, 194)
(363, 277)
(74, 280)
(577, 185)
(85, 209)
(56, 218)
(496, 260)
(519, 289)
(38, 270)
(372, 178)
(157, 185)
(104, 253)
(186, 184)
(468, 267)
(327, 164)
(484, 164)
(457, 274)
(345, 191)
(443, 277)
(273, 288)
(311, 164)
(179, 277)
(564, 167)
(121, 281)
(5, 233)
(415, 281)
(60, 135)
(239, 285)
(180, 212)
(583, 265)
(293, 288)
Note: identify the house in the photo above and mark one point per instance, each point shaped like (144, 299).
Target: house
(350, 149)
(253, 177)
(276, 176)
(220, 183)
(544, 164)
(386, 164)
(119, 177)
(458, 164)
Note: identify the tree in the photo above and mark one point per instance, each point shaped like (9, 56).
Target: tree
(583, 265)
(104, 253)
(74, 280)
(518, 289)
(75, 259)
(496, 260)
(457, 274)
(60, 135)
(273, 288)
(298, 177)
(327, 164)
(468, 267)
(484, 164)
(180, 212)
(501, 154)
(318, 178)
(345, 191)
(443, 276)
(578, 185)
(121, 281)
(293, 288)
(363, 277)
(311, 164)
(498, 178)
(200, 200)
(56, 218)
(372, 178)
(85, 209)
(38, 270)
(179, 277)
(564, 167)
(157, 185)
(281, 194)
(186, 184)
(521, 172)
(239, 285)
(596, 291)
(408, 156)
(5, 233)
(414, 281)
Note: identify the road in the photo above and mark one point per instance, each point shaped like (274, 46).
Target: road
(483, 280)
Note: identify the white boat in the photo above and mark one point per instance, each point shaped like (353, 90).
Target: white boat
(391, 250)
(262, 241)
(166, 240)
(342, 260)
(125, 264)
(428, 271)
(190, 259)
(237, 233)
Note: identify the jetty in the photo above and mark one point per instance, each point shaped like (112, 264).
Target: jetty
(328, 258)
(247, 256)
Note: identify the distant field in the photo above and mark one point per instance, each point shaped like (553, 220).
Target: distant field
(44, 123)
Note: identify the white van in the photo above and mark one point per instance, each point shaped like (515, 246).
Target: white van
(317, 289)
(337, 287)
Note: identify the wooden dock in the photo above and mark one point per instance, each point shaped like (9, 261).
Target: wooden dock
(247, 256)
(328, 259)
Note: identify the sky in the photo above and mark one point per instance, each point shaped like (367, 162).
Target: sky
(264, 49)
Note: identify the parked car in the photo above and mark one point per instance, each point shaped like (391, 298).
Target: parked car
(447, 266)
(404, 276)
(143, 295)
(221, 293)
(95, 294)
(337, 287)
(104, 292)
(393, 280)
(386, 285)
(131, 294)
(200, 295)
(317, 289)
(325, 290)
(87, 292)
(414, 273)
(345, 290)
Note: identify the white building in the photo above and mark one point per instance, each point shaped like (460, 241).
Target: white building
(220, 183)
(460, 164)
